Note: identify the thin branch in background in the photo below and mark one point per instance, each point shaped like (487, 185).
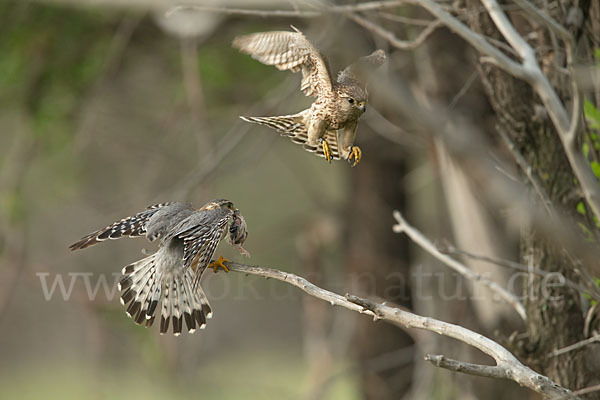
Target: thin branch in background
(467, 368)
(403, 227)
(527, 170)
(392, 132)
(530, 72)
(295, 13)
(463, 90)
(112, 60)
(575, 346)
(520, 267)
(192, 85)
(391, 37)
(507, 365)
(567, 128)
(587, 390)
(469, 146)
(229, 142)
(404, 20)
(479, 42)
(242, 11)
(589, 317)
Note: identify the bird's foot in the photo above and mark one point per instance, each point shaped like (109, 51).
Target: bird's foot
(219, 263)
(355, 153)
(326, 149)
(243, 251)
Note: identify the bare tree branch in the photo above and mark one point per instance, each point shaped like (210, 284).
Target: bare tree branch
(587, 390)
(404, 227)
(574, 346)
(507, 365)
(567, 128)
(243, 11)
(468, 145)
(404, 20)
(520, 267)
(476, 40)
(490, 371)
(367, 6)
(391, 37)
(530, 72)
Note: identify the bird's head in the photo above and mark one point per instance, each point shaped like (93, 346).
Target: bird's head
(218, 203)
(353, 100)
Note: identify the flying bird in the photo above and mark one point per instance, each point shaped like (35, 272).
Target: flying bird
(328, 127)
(188, 239)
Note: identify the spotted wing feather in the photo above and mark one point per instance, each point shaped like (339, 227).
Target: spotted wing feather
(290, 51)
(131, 227)
(200, 243)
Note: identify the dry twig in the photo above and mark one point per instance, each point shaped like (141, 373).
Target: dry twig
(507, 366)
(404, 227)
(575, 346)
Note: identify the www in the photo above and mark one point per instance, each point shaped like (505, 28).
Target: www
(109, 290)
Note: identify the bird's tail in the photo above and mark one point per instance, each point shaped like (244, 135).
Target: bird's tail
(143, 286)
(294, 127)
(286, 125)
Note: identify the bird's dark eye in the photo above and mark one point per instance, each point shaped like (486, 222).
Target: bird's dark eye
(351, 101)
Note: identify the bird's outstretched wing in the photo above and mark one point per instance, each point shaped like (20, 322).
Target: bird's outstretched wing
(357, 73)
(201, 235)
(131, 226)
(290, 51)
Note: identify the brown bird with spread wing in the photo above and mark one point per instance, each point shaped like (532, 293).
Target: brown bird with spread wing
(338, 105)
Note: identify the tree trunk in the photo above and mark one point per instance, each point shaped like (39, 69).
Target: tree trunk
(552, 324)
(377, 261)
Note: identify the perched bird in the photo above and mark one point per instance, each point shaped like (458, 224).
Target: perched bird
(188, 240)
(338, 105)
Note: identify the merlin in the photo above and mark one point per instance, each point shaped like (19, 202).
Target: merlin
(188, 240)
(328, 127)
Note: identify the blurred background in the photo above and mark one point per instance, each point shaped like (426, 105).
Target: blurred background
(110, 106)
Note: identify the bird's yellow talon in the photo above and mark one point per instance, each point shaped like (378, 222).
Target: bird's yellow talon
(326, 150)
(219, 263)
(355, 153)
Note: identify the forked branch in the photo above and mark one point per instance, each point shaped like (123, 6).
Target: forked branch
(507, 366)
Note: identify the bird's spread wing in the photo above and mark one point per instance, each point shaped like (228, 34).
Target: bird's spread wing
(201, 240)
(357, 73)
(131, 226)
(290, 51)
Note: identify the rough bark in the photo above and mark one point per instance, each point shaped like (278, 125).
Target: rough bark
(551, 324)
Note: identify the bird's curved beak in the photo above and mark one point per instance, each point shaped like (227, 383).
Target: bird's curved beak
(363, 106)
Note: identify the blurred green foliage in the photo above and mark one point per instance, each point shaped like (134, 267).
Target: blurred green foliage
(54, 73)
(249, 375)
(590, 150)
(49, 66)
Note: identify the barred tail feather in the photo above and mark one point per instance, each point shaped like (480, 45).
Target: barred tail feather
(330, 136)
(286, 125)
(143, 286)
(294, 127)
